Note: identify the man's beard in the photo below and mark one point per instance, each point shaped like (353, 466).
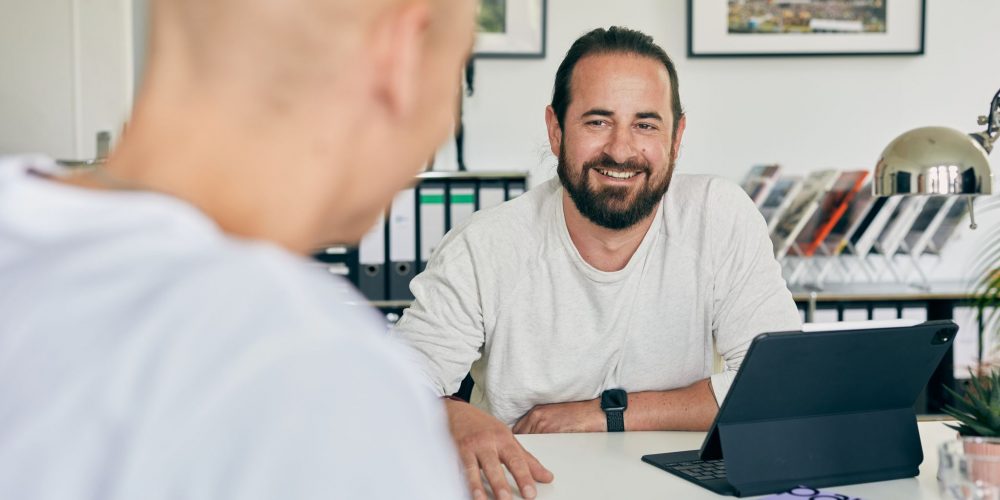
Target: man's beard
(608, 206)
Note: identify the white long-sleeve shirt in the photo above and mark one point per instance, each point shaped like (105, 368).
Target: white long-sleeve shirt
(509, 295)
(145, 354)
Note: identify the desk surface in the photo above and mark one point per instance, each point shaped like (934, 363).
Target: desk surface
(606, 466)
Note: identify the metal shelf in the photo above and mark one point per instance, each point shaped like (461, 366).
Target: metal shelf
(482, 176)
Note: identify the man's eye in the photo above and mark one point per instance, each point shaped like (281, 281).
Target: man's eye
(597, 123)
(646, 126)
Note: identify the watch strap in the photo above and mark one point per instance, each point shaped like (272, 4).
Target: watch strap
(616, 420)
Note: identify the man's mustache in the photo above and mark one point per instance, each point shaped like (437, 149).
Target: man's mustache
(605, 162)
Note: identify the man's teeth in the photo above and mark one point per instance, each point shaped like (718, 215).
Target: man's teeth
(618, 175)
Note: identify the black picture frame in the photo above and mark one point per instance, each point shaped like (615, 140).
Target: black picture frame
(918, 38)
(522, 45)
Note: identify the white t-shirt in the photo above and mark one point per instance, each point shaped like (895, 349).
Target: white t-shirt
(145, 354)
(508, 294)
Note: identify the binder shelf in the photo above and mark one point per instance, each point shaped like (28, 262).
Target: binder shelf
(403, 240)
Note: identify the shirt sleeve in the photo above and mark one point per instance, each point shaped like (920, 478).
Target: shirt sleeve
(444, 326)
(750, 296)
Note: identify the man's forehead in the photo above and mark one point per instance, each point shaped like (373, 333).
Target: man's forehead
(619, 76)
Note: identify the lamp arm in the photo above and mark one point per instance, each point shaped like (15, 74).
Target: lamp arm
(992, 119)
(992, 122)
(986, 139)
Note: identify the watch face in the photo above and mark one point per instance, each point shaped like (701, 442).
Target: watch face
(613, 399)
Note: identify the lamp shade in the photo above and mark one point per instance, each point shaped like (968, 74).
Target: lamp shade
(933, 161)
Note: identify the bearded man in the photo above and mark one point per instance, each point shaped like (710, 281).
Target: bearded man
(598, 301)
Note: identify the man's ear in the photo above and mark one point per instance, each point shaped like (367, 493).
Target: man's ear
(678, 135)
(398, 45)
(555, 131)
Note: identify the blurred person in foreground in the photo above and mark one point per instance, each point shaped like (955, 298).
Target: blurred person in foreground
(161, 334)
(598, 300)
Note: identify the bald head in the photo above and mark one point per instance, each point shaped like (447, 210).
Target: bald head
(332, 105)
(278, 42)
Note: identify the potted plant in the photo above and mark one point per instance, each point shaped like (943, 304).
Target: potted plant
(978, 410)
(978, 414)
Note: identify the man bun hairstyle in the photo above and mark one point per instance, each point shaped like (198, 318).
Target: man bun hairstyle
(614, 40)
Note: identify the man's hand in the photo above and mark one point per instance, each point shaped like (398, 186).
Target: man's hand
(486, 444)
(578, 416)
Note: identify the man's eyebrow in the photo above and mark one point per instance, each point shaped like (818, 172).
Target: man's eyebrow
(598, 112)
(643, 115)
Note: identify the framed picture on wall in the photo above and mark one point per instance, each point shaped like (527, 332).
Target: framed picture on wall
(510, 28)
(730, 28)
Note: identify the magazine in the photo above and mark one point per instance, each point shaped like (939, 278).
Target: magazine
(832, 207)
(800, 210)
(927, 223)
(851, 221)
(759, 182)
(864, 236)
(899, 225)
(954, 218)
(784, 191)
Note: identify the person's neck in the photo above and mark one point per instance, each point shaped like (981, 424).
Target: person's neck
(229, 171)
(604, 249)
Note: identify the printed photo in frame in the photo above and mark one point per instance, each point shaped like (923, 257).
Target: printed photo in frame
(740, 28)
(510, 29)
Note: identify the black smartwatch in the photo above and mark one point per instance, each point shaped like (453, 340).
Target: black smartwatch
(614, 402)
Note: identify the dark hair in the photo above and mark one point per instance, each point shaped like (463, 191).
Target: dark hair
(608, 41)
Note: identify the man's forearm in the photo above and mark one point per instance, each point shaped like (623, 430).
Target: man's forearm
(691, 408)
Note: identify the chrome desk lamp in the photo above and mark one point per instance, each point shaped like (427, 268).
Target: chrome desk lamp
(940, 161)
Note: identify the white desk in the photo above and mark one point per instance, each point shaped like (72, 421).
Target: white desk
(608, 466)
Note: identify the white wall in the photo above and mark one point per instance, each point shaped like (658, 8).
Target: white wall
(140, 30)
(40, 65)
(65, 74)
(803, 113)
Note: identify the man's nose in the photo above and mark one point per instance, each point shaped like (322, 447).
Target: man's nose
(620, 146)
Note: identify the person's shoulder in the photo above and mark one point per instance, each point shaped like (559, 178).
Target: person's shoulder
(312, 324)
(282, 284)
(252, 291)
(525, 208)
(294, 363)
(707, 208)
(708, 196)
(517, 219)
(258, 302)
(706, 187)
